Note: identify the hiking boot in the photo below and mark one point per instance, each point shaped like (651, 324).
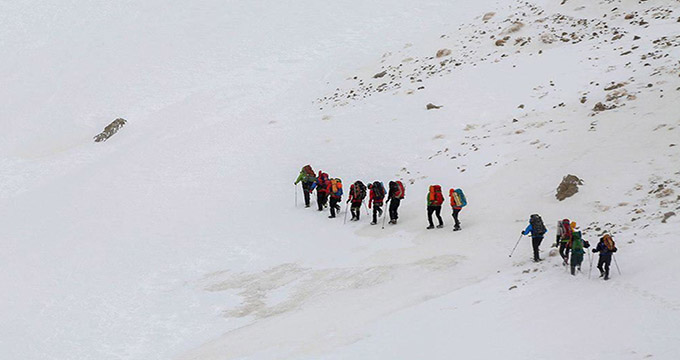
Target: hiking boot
(601, 274)
(307, 205)
(457, 228)
(430, 227)
(373, 222)
(440, 226)
(331, 217)
(606, 277)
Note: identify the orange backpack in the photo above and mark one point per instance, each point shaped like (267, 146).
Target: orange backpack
(435, 196)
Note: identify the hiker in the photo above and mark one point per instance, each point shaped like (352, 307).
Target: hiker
(335, 196)
(357, 194)
(564, 231)
(307, 178)
(606, 247)
(376, 197)
(458, 200)
(322, 186)
(537, 230)
(394, 198)
(435, 199)
(577, 244)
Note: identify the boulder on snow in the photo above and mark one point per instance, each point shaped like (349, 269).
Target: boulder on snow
(568, 187)
(110, 130)
(488, 16)
(431, 106)
(514, 27)
(443, 52)
(380, 74)
(667, 215)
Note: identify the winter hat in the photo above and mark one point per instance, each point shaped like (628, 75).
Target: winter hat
(573, 225)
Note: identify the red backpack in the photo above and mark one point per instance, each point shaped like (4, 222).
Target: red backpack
(566, 229)
(401, 192)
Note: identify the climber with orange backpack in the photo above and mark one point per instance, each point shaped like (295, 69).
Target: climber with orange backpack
(606, 247)
(375, 199)
(307, 177)
(394, 197)
(335, 196)
(458, 200)
(357, 194)
(435, 199)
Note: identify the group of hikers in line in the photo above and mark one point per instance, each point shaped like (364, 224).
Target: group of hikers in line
(571, 244)
(329, 193)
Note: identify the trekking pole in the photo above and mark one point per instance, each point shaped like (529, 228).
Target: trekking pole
(616, 263)
(590, 271)
(513, 249)
(346, 205)
(296, 191)
(384, 217)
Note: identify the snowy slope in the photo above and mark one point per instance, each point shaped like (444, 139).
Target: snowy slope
(179, 238)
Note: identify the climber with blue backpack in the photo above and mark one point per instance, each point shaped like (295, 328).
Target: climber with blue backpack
(458, 201)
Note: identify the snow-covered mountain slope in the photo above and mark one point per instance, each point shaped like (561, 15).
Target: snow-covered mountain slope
(179, 237)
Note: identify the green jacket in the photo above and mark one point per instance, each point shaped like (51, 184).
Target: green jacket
(577, 244)
(304, 177)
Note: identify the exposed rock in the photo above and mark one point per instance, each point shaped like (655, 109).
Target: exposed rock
(602, 107)
(614, 86)
(443, 52)
(568, 187)
(488, 16)
(110, 130)
(667, 215)
(431, 106)
(380, 74)
(515, 27)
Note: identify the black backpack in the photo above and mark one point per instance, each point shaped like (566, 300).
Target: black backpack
(378, 190)
(537, 226)
(359, 191)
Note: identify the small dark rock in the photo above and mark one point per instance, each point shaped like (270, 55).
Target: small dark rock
(667, 215)
(380, 74)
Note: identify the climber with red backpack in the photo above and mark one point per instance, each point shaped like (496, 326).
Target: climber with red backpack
(323, 188)
(435, 199)
(375, 199)
(606, 247)
(565, 229)
(394, 197)
(335, 196)
(458, 200)
(357, 194)
(307, 177)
